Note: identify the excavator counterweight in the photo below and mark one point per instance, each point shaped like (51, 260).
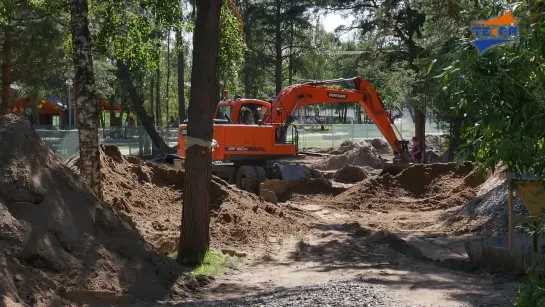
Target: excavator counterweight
(256, 137)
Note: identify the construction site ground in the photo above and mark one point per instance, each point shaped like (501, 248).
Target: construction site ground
(351, 239)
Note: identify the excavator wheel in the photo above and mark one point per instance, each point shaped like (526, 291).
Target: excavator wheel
(247, 179)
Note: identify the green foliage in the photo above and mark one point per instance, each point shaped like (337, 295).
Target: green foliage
(499, 95)
(214, 263)
(532, 292)
(231, 49)
(131, 30)
(105, 78)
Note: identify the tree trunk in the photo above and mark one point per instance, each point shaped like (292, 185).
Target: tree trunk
(181, 78)
(158, 120)
(290, 59)
(168, 79)
(35, 112)
(151, 99)
(112, 112)
(278, 47)
(248, 68)
(86, 98)
(358, 114)
(124, 75)
(420, 130)
(6, 70)
(102, 122)
(195, 228)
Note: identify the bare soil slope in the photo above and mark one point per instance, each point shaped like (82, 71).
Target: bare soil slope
(60, 245)
(364, 153)
(419, 187)
(152, 195)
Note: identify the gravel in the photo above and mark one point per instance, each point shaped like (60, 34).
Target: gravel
(344, 293)
(348, 293)
(491, 209)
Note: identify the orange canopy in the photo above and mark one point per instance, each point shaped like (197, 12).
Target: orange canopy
(44, 106)
(49, 107)
(106, 106)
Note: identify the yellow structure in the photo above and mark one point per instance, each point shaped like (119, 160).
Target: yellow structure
(532, 193)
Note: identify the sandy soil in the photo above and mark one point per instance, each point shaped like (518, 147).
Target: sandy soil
(339, 250)
(353, 239)
(60, 245)
(151, 195)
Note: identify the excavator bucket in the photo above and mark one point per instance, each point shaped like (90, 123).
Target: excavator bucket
(288, 177)
(394, 168)
(292, 172)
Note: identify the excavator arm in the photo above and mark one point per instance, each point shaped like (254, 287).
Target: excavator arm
(297, 96)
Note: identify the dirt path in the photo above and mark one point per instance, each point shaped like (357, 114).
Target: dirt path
(338, 249)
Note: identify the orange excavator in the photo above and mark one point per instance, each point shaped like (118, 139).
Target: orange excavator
(253, 136)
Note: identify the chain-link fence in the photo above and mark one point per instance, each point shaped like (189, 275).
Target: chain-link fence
(331, 136)
(135, 141)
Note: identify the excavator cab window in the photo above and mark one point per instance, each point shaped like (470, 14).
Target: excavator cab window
(245, 116)
(224, 113)
(255, 111)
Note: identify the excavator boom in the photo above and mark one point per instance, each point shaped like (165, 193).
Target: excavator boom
(321, 92)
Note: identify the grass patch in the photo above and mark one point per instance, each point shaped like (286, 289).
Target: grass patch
(215, 263)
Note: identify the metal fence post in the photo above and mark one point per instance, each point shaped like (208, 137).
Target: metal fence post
(352, 133)
(332, 137)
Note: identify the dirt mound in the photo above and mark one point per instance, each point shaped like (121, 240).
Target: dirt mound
(421, 187)
(345, 147)
(361, 154)
(351, 174)
(58, 243)
(381, 146)
(152, 195)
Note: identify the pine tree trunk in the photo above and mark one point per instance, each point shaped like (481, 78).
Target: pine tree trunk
(151, 98)
(6, 69)
(181, 74)
(420, 130)
(168, 81)
(195, 228)
(86, 98)
(290, 59)
(112, 112)
(158, 120)
(278, 47)
(248, 68)
(139, 109)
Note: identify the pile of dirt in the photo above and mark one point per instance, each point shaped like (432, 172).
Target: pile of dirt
(351, 174)
(421, 187)
(361, 154)
(345, 147)
(486, 214)
(381, 146)
(60, 245)
(152, 195)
